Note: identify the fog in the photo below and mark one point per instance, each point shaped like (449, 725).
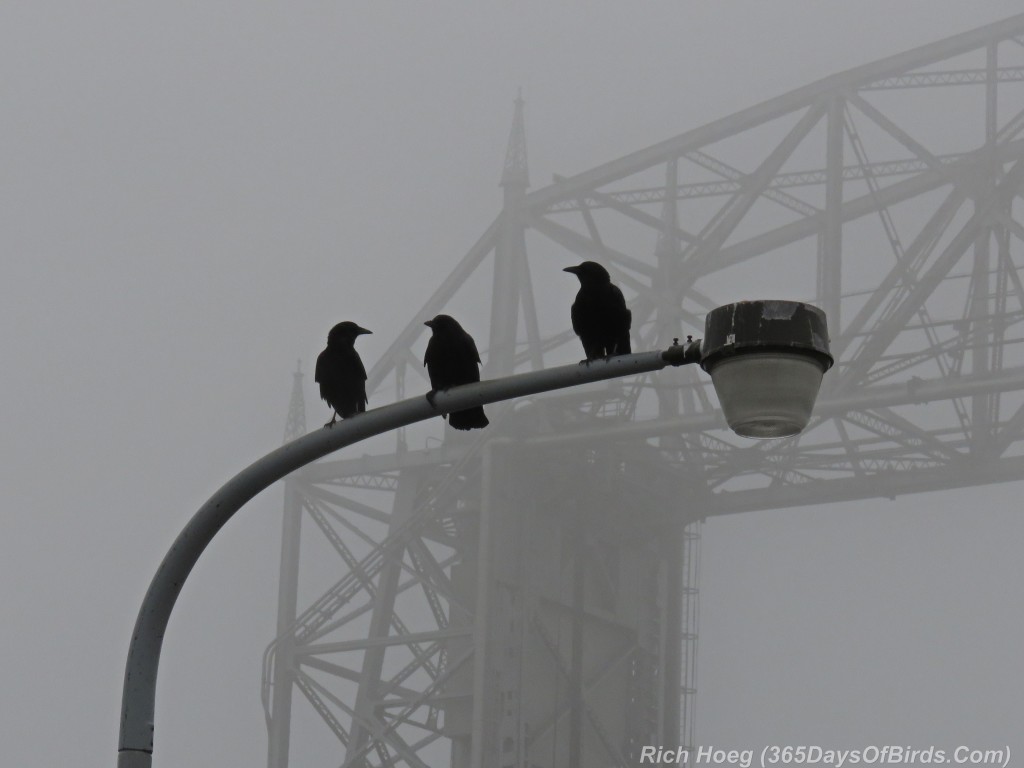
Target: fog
(193, 194)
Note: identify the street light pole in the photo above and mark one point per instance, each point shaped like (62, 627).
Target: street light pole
(765, 358)
(135, 746)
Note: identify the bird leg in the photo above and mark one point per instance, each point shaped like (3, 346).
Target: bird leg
(333, 419)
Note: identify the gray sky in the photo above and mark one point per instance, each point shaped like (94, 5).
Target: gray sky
(193, 193)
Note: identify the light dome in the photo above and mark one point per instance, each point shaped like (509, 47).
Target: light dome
(766, 360)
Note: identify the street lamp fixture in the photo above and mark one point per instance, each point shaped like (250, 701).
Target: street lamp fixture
(766, 360)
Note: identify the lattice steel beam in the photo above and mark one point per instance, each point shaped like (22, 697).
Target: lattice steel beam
(927, 359)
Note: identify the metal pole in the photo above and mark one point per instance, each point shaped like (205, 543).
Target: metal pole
(287, 597)
(576, 700)
(482, 622)
(135, 745)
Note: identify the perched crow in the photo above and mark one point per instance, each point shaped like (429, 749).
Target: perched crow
(340, 372)
(452, 359)
(599, 314)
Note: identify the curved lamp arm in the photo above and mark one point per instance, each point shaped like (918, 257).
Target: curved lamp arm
(135, 746)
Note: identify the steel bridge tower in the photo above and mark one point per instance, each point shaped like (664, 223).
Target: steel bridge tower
(449, 582)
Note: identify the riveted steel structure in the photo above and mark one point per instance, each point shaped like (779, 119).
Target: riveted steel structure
(461, 601)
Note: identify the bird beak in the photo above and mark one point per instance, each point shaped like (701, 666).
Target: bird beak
(361, 331)
(429, 324)
(572, 270)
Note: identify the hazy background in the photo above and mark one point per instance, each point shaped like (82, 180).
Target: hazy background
(192, 193)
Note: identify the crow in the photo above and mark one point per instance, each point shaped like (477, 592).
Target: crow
(340, 372)
(452, 359)
(599, 314)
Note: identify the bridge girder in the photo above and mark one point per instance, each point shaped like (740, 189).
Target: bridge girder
(888, 194)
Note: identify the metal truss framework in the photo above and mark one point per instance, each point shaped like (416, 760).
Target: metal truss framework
(471, 568)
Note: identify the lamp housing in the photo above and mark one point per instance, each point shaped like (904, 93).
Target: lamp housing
(766, 360)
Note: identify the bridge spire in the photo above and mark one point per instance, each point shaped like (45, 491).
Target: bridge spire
(515, 176)
(511, 286)
(296, 424)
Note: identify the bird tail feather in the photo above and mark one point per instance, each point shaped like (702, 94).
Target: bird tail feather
(471, 418)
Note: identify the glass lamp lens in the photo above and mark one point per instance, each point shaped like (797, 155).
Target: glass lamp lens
(767, 394)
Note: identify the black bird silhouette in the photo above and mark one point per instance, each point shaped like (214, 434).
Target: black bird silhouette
(452, 359)
(599, 315)
(340, 372)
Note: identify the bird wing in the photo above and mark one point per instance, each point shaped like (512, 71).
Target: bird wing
(618, 301)
(357, 365)
(359, 390)
(577, 315)
(321, 363)
(471, 347)
(431, 359)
